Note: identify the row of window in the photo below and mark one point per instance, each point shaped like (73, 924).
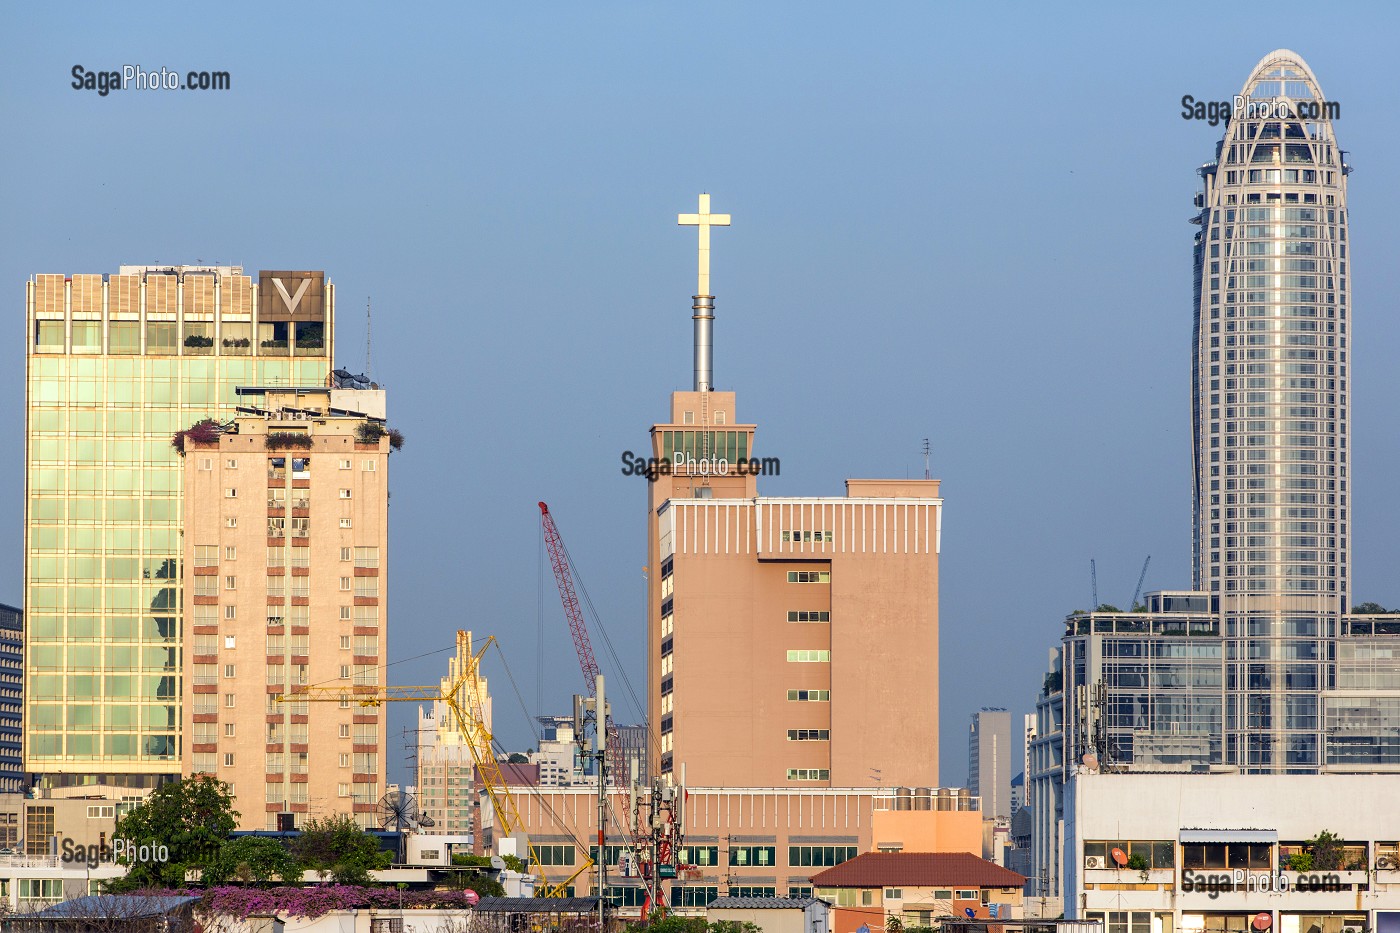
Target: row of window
(807, 655)
(809, 735)
(798, 537)
(231, 492)
(207, 555)
(809, 576)
(279, 586)
(300, 464)
(808, 774)
(281, 615)
(808, 615)
(798, 856)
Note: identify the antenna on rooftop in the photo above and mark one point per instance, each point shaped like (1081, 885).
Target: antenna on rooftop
(926, 472)
(369, 344)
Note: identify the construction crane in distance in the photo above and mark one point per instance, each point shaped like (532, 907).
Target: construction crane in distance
(462, 699)
(1132, 606)
(578, 628)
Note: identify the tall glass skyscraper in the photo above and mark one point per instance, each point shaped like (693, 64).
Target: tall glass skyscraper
(115, 365)
(1270, 409)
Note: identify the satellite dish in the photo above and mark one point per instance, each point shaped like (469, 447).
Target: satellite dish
(399, 810)
(1120, 857)
(498, 863)
(971, 914)
(1262, 920)
(1091, 761)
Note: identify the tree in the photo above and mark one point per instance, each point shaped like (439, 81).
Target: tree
(181, 827)
(1326, 851)
(253, 860)
(1369, 609)
(893, 924)
(518, 759)
(337, 846)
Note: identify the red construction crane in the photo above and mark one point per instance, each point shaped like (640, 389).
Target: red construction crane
(559, 559)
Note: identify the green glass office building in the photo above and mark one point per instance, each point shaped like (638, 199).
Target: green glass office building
(115, 365)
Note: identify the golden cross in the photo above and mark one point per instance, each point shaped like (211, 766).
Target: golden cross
(704, 220)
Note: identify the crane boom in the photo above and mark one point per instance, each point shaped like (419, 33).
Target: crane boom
(578, 628)
(564, 580)
(464, 702)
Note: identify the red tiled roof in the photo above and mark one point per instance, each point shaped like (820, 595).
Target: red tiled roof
(918, 870)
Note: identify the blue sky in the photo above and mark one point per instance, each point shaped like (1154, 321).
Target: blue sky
(961, 222)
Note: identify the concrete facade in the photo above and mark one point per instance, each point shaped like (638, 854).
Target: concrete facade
(1193, 828)
(285, 582)
(781, 631)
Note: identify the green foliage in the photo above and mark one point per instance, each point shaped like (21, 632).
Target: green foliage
(744, 926)
(1107, 607)
(337, 846)
(369, 432)
(893, 924)
(513, 862)
(191, 817)
(280, 440)
(1368, 609)
(1137, 863)
(1326, 851)
(1300, 861)
(1053, 682)
(253, 860)
(518, 759)
(657, 923)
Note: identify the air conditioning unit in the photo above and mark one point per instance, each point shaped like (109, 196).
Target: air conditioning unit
(1353, 929)
(1387, 863)
(1093, 861)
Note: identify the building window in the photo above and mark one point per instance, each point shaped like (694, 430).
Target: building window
(753, 855)
(342, 790)
(366, 557)
(345, 584)
(698, 855)
(810, 696)
(206, 555)
(752, 890)
(809, 615)
(808, 774)
(969, 894)
(228, 671)
(809, 735)
(347, 553)
(230, 583)
(230, 493)
(345, 464)
(344, 760)
(345, 613)
(693, 895)
(344, 675)
(228, 700)
(809, 576)
(555, 854)
(819, 856)
(367, 586)
(807, 655)
(801, 891)
(345, 494)
(798, 537)
(228, 730)
(228, 759)
(231, 521)
(345, 523)
(344, 642)
(369, 466)
(231, 464)
(230, 612)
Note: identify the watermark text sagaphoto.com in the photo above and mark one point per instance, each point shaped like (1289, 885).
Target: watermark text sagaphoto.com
(652, 467)
(134, 77)
(1215, 112)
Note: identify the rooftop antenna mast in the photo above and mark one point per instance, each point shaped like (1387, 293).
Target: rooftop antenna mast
(369, 341)
(926, 472)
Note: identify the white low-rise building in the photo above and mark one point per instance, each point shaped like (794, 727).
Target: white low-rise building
(1210, 853)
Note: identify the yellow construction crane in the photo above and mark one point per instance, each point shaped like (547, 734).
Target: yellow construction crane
(462, 698)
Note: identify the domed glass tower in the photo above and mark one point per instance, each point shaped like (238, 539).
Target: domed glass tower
(1271, 390)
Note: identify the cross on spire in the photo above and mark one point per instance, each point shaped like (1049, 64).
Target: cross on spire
(704, 220)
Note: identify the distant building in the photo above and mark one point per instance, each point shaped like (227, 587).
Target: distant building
(1018, 792)
(444, 786)
(12, 776)
(989, 761)
(773, 914)
(559, 758)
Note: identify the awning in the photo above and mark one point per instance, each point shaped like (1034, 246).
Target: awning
(1229, 835)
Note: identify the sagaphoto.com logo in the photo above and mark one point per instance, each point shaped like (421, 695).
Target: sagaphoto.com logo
(134, 77)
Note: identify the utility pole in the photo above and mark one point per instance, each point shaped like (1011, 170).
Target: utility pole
(600, 749)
